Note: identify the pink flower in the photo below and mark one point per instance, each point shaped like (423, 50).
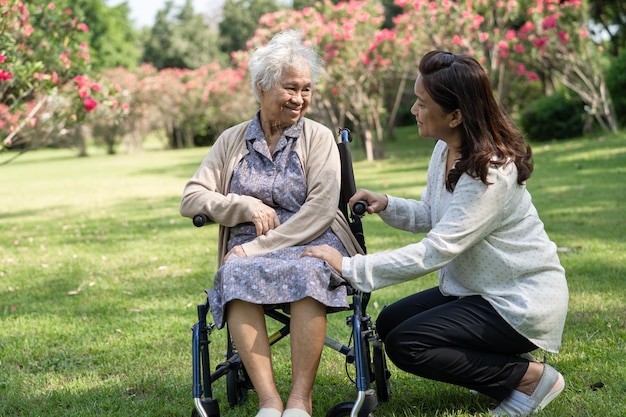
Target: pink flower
(51, 6)
(5, 75)
(90, 104)
(540, 42)
(549, 22)
(563, 37)
(83, 27)
(95, 87)
(2, 58)
(532, 76)
(521, 69)
(80, 80)
(527, 27)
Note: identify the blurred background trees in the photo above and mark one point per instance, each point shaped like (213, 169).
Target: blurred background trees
(76, 72)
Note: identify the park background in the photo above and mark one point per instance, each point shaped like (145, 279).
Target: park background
(102, 123)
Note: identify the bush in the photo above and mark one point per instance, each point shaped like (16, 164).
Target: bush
(616, 83)
(559, 116)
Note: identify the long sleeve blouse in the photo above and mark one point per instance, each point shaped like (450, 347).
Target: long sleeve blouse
(483, 240)
(207, 192)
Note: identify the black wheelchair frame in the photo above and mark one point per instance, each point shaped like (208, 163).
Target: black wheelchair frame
(367, 355)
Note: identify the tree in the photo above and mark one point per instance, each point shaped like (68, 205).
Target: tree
(112, 39)
(239, 21)
(358, 58)
(45, 84)
(554, 42)
(180, 39)
(610, 19)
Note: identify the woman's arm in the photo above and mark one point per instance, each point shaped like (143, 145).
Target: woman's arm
(206, 192)
(474, 212)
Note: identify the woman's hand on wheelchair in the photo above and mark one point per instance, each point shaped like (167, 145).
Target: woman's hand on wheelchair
(375, 202)
(326, 253)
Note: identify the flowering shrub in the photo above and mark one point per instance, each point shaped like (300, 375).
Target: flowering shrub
(44, 69)
(555, 42)
(358, 59)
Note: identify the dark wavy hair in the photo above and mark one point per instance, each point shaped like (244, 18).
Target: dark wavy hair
(489, 136)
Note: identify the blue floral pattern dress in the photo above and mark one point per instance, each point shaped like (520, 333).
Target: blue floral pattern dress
(277, 278)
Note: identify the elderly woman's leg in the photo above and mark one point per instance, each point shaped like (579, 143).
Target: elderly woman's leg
(246, 323)
(308, 331)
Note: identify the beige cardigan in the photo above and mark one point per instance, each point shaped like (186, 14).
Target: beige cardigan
(207, 192)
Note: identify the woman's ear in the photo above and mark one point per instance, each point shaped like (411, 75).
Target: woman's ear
(456, 119)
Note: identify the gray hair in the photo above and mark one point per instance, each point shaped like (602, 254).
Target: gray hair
(285, 50)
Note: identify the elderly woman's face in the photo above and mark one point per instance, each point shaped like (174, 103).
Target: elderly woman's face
(285, 103)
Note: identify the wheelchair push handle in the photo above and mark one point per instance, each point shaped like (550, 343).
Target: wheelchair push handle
(359, 208)
(200, 220)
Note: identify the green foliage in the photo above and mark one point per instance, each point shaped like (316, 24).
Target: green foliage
(180, 39)
(240, 20)
(111, 37)
(616, 83)
(44, 59)
(558, 116)
(609, 18)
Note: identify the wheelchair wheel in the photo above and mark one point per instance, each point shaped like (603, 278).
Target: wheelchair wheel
(381, 374)
(343, 410)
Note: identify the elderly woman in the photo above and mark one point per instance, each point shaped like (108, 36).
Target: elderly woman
(502, 291)
(272, 184)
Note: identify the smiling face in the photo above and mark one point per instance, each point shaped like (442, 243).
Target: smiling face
(288, 100)
(432, 121)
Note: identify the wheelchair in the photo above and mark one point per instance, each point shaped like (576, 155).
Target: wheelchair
(367, 353)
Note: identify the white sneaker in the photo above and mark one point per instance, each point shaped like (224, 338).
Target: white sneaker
(518, 404)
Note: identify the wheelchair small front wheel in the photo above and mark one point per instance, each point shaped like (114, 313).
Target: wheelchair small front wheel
(343, 410)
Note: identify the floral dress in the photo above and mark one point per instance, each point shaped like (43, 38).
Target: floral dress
(277, 278)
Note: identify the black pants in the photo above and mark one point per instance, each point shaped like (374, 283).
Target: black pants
(462, 341)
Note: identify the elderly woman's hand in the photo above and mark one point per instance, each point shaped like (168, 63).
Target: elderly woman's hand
(264, 218)
(237, 251)
(326, 253)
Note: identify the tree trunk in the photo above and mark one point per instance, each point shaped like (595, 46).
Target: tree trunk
(81, 140)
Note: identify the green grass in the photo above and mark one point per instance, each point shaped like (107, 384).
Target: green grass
(100, 276)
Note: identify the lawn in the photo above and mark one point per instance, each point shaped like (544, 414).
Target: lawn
(100, 276)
